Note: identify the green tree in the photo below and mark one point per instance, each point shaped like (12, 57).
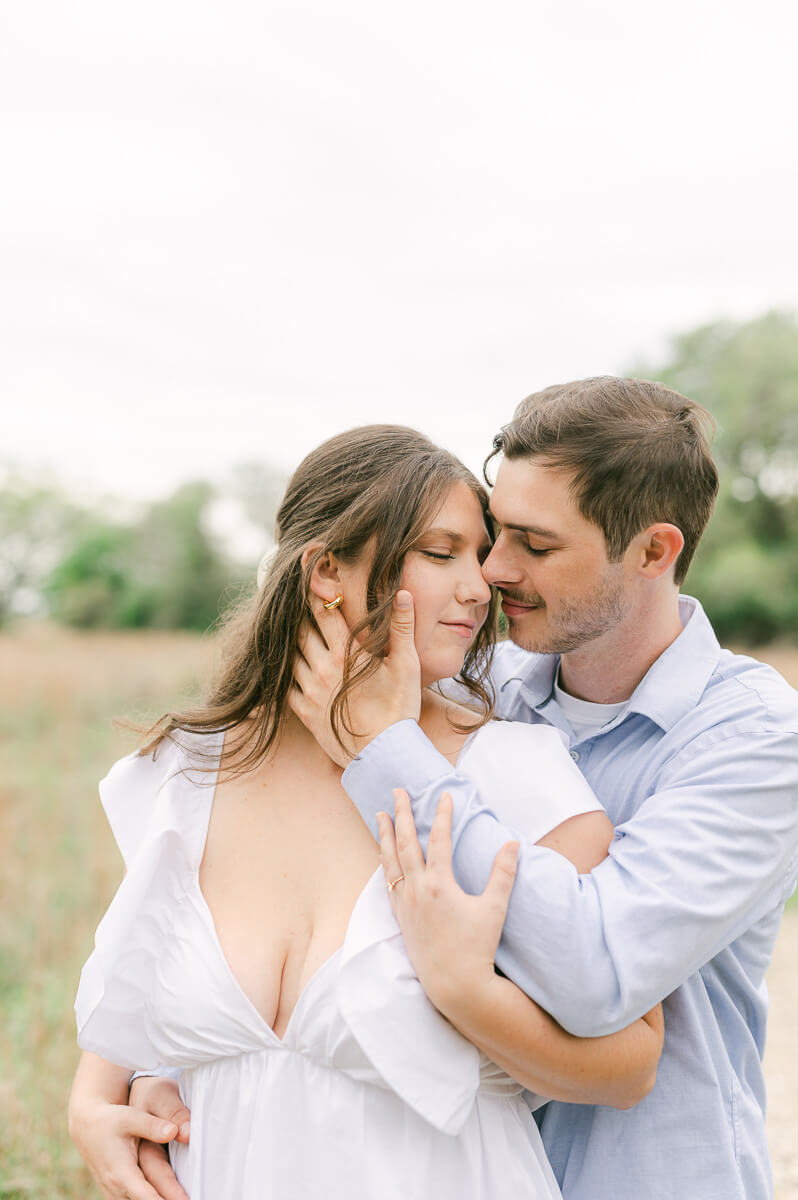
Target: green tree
(746, 374)
(163, 572)
(37, 522)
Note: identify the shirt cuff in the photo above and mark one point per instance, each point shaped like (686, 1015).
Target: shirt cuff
(162, 1072)
(401, 756)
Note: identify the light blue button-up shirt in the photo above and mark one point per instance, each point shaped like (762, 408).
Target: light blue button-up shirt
(699, 774)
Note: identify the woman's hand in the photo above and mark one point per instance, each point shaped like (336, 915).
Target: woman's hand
(451, 937)
(108, 1133)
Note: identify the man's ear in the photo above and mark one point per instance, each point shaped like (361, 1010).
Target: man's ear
(324, 580)
(659, 546)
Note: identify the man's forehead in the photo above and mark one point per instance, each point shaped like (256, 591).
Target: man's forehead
(532, 496)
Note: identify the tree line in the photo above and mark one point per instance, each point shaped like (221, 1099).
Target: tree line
(168, 568)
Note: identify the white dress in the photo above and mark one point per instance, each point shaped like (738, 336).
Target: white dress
(370, 1094)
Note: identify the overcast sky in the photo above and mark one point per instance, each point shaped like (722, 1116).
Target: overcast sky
(228, 231)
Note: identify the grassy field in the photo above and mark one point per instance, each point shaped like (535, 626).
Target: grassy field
(58, 693)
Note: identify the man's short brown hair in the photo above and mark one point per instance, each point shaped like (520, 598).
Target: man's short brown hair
(638, 453)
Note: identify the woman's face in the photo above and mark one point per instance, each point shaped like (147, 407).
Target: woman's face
(444, 575)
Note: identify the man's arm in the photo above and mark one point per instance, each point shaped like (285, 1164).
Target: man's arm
(451, 939)
(704, 858)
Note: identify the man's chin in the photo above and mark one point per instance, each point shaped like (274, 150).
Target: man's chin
(524, 639)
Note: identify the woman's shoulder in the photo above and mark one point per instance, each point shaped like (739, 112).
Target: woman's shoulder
(519, 740)
(525, 774)
(132, 790)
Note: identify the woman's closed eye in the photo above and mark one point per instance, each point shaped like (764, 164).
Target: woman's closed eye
(438, 555)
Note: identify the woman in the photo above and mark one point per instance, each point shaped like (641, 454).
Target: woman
(253, 943)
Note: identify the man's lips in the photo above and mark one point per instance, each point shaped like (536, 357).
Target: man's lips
(516, 608)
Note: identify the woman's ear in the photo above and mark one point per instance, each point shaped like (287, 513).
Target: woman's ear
(324, 579)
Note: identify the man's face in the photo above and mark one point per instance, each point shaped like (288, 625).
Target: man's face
(559, 589)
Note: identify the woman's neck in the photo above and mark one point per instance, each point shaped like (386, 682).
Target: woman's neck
(439, 720)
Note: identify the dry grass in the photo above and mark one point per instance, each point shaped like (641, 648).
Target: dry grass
(58, 691)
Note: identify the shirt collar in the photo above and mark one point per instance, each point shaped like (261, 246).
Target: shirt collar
(670, 688)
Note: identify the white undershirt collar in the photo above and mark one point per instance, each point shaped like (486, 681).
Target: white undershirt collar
(584, 716)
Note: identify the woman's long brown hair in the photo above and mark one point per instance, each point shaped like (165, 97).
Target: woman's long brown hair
(374, 490)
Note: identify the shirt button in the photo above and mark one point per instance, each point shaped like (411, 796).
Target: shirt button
(575, 755)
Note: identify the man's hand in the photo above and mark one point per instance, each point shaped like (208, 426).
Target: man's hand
(160, 1098)
(391, 694)
(109, 1133)
(451, 936)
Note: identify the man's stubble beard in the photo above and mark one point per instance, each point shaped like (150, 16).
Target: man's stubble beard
(577, 624)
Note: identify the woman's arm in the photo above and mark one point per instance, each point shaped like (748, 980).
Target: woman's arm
(109, 1134)
(619, 1069)
(452, 937)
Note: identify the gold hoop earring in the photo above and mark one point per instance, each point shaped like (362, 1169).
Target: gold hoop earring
(331, 604)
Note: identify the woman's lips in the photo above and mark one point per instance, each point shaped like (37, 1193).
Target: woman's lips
(464, 629)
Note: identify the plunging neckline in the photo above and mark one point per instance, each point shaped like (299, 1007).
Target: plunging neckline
(264, 1028)
(205, 909)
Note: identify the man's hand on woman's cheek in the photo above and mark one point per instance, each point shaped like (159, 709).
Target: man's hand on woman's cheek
(391, 693)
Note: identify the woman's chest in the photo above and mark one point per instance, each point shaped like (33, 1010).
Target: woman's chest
(280, 874)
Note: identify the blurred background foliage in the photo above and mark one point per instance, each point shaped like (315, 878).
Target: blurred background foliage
(746, 568)
(176, 564)
(166, 571)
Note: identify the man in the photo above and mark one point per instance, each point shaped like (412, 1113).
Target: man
(601, 496)
(604, 489)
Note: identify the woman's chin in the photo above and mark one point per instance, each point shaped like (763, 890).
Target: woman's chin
(443, 667)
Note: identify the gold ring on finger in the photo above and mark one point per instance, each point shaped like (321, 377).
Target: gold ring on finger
(393, 882)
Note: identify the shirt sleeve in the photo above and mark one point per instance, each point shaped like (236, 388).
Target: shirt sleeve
(712, 850)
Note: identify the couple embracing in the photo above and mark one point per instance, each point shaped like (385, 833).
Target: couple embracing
(397, 885)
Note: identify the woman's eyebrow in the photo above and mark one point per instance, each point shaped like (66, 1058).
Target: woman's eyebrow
(439, 531)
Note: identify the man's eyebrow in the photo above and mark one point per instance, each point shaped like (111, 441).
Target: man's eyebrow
(536, 529)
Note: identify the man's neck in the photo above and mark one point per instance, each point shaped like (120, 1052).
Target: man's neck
(608, 669)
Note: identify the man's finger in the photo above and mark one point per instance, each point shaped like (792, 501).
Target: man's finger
(131, 1185)
(402, 632)
(299, 706)
(303, 674)
(334, 628)
(311, 644)
(439, 845)
(157, 1170)
(411, 856)
(136, 1123)
(159, 1096)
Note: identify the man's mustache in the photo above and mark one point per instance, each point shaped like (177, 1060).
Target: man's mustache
(522, 598)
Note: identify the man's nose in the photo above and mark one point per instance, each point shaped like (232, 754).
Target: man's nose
(499, 567)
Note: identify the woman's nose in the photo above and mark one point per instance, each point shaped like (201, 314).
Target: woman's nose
(474, 589)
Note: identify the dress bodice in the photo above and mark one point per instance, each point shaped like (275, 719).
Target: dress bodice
(158, 989)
